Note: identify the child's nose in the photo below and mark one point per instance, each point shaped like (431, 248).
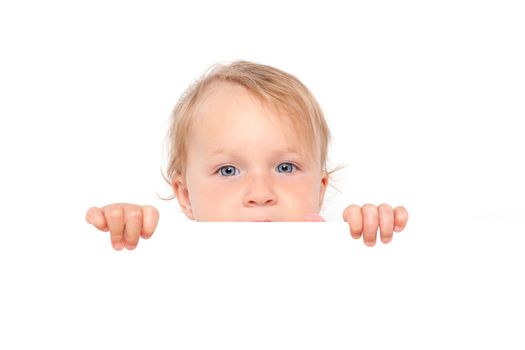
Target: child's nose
(260, 191)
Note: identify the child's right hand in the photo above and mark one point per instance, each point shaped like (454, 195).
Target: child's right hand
(125, 222)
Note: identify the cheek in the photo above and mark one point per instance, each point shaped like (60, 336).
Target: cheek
(210, 199)
(302, 194)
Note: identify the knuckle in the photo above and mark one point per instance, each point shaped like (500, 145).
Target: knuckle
(91, 211)
(383, 207)
(370, 212)
(401, 209)
(93, 215)
(369, 208)
(134, 214)
(151, 209)
(350, 210)
(115, 213)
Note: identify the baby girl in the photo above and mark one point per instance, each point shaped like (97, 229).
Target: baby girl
(247, 142)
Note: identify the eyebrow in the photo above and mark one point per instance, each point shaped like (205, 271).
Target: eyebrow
(274, 153)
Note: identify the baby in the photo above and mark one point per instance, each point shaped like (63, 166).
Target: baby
(247, 142)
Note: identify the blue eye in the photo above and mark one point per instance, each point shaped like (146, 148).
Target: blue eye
(229, 170)
(286, 167)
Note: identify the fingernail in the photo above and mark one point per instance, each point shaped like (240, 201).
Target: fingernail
(370, 244)
(118, 245)
(397, 228)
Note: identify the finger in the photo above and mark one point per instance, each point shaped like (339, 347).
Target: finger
(370, 222)
(352, 214)
(314, 218)
(132, 226)
(95, 217)
(386, 222)
(150, 219)
(400, 218)
(115, 219)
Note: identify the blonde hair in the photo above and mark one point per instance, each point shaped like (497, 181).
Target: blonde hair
(276, 88)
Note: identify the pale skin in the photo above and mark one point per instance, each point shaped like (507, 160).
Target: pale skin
(245, 164)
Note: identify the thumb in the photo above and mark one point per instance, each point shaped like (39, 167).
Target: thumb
(314, 218)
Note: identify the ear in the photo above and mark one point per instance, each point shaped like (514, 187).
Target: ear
(324, 185)
(182, 194)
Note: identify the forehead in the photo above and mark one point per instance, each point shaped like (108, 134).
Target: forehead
(232, 119)
(223, 98)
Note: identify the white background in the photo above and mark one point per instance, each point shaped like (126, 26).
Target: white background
(424, 101)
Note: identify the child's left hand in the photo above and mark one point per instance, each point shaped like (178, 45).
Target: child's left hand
(366, 220)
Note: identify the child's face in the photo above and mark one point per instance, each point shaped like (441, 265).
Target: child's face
(244, 164)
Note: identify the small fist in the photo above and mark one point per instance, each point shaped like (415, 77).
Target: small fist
(125, 222)
(365, 221)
